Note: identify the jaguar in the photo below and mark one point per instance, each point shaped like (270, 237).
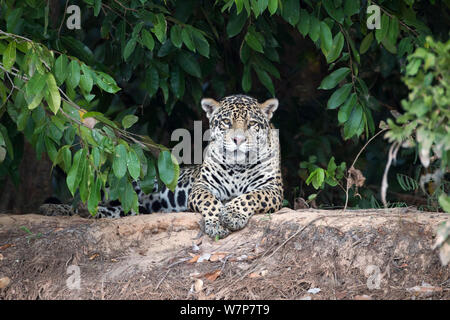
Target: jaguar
(240, 175)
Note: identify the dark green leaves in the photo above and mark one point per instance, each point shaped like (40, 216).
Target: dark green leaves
(304, 22)
(9, 55)
(175, 36)
(61, 72)
(326, 37)
(336, 48)
(36, 84)
(339, 96)
(345, 110)
(129, 48)
(54, 98)
(334, 78)
(236, 23)
(291, 11)
(381, 33)
(74, 74)
(129, 120)
(189, 64)
(76, 171)
(366, 42)
(133, 164)
(166, 168)
(252, 39)
(119, 164)
(354, 121)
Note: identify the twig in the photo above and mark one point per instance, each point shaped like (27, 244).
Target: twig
(354, 161)
(391, 156)
(400, 21)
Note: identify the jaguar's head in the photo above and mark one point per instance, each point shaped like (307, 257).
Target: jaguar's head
(240, 127)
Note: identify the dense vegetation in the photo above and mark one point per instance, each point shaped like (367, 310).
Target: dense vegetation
(96, 99)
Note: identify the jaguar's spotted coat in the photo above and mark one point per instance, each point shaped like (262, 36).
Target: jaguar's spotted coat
(240, 174)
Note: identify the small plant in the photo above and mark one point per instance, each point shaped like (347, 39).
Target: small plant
(425, 125)
(31, 235)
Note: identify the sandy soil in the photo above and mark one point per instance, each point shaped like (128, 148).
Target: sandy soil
(304, 254)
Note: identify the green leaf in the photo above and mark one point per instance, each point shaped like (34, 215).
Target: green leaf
(36, 100)
(36, 84)
(336, 48)
(331, 168)
(273, 5)
(75, 172)
(381, 33)
(9, 56)
(129, 120)
(444, 201)
(94, 196)
(345, 110)
(351, 7)
(326, 38)
(151, 81)
(66, 157)
(334, 78)
(127, 196)
(147, 39)
(120, 161)
(148, 183)
(291, 11)
(74, 74)
(175, 36)
(177, 82)
(235, 24)
(252, 40)
(246, 79)
(393, 30)
(97, 7)
(106, 82)
(6, 141)
(314, 29)
(186, 35)
(129, 48)
(304, 23)
(354, 122)
(2, 154)
(265, 79)
(160, 27)
(389, 46)
(133, 164)
(166, 167)
(189, 64)
(86, 81)
(84, 183)
(335, 12)
(201, 44)
(54, 98)
(61, 66)
(366, 42)
(339, 96)
(316, 177)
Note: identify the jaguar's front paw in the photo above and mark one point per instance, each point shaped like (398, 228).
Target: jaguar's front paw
(215, 230)
(232, 219)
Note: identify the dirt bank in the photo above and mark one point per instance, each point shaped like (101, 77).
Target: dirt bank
(305, 254)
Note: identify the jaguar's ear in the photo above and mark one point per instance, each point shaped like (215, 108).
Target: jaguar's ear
(269, 107)
(209, 105)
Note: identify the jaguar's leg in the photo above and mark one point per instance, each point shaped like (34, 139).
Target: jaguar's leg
(235, 214)
(202, 200)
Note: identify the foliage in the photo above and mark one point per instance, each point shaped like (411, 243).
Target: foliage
(425, 122)
(95, 99)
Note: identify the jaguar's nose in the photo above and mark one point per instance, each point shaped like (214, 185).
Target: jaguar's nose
(239, 139)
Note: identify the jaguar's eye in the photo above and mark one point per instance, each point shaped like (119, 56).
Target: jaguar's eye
(252, 123)
(226, 121)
